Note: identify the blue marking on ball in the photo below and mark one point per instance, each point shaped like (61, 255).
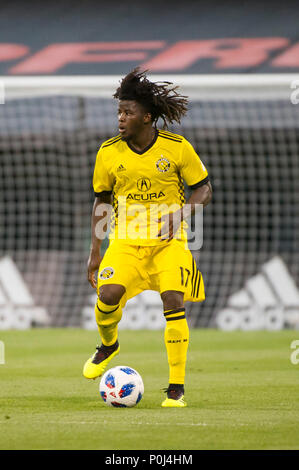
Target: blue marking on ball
(126, 390)
(128, 370)
(139, 398)
(110, 381)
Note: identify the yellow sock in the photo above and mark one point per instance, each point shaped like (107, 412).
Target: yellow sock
(107, 318)
(176, 339)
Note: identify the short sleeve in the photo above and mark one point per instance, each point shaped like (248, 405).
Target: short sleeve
(192, 170)
(102, 179)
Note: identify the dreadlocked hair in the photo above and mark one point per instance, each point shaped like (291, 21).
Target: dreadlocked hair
(158, 98)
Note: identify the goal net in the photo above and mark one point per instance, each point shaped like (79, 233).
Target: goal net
(245, 129)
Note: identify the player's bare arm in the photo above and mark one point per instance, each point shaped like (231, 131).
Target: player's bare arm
(99, 212)
(201, 195)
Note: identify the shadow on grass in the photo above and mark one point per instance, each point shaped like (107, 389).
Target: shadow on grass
(49, 403)
(63, 403)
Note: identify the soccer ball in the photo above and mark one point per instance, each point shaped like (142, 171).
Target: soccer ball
(122, 387)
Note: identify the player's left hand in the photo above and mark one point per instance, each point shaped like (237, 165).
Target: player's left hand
(93, 264)
(171, 223)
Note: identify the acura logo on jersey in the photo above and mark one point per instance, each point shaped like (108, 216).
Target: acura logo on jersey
(163, 165)
(145, 197)
(144, 184)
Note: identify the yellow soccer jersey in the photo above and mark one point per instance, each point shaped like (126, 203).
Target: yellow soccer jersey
(146, 184)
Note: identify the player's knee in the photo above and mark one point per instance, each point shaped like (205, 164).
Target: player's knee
(111, 294)
(172, 299)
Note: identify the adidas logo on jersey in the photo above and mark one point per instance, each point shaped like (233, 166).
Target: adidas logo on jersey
(17, 307)
(121, 168)
(269, 300)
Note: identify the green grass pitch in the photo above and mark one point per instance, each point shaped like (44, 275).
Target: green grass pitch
(241, 390)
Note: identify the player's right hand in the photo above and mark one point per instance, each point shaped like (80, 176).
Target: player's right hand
(93, 264)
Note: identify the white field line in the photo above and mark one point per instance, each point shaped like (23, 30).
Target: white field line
(140, 423)
(134, 424)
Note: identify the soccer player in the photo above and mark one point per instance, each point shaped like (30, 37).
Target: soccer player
(142, 170)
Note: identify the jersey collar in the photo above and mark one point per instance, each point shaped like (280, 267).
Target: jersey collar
(146, 148)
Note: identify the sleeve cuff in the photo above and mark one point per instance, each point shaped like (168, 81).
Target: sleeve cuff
(103, 193)
(200, 183)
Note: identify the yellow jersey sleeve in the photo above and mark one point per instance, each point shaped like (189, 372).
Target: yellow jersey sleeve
(192, 170)
(102, 179)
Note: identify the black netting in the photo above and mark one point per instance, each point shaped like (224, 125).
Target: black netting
(47, 152)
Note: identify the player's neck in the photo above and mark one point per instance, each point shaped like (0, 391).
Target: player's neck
(143, 139)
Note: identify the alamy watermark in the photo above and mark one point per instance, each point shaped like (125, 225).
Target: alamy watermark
(294, 358)
(2, 353)
(151, 222)
(294, 97)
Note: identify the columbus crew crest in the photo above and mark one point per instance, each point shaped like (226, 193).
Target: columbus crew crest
(163, 165)
(106, 273)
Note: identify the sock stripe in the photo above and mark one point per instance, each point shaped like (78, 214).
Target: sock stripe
(170, 312)
(175, 315)
(111, 311)
(176, 318)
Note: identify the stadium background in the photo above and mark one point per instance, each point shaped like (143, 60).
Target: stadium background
(48, 146)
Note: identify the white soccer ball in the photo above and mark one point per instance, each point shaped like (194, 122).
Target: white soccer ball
(121, 387)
